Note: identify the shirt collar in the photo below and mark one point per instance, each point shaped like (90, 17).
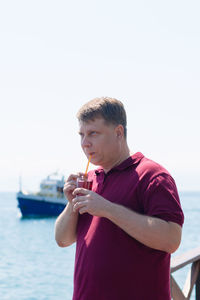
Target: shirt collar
(131, 160)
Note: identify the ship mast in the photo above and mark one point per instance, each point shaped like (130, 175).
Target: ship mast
(20, 183)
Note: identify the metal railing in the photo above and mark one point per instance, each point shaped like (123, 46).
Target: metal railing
(193, 278)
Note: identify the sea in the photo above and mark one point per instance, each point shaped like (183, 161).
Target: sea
(33, 267)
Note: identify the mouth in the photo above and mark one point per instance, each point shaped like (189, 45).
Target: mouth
(91, 153)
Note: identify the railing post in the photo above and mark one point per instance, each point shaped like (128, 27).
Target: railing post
(197, 287)
(193, 278)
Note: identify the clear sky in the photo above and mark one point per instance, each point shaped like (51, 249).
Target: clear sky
(56, 55)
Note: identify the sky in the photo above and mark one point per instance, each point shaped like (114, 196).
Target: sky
(57, 55)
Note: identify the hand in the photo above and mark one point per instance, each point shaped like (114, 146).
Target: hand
(70, 185)
(87, 201)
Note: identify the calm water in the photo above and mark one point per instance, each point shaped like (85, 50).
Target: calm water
(33, 267)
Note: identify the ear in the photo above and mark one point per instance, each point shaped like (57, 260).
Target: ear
(119, 131)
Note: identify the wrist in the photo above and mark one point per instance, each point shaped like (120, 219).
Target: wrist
(70, 210)
(109, 208)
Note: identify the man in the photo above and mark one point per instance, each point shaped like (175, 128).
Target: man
(128, 225)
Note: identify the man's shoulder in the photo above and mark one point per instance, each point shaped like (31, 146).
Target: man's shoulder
(151, 169)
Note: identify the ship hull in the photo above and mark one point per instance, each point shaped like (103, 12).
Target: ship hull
(39, 208)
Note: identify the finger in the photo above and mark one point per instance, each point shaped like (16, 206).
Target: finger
(80, 174)
(82, 210)
(78, 205)
(81, 191)
(73, 177)
(68, 189)
(78, 199)
(70, 184)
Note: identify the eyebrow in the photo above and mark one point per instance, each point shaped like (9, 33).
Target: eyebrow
(88, 132)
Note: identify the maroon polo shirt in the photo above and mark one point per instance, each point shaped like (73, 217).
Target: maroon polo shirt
(109, 263)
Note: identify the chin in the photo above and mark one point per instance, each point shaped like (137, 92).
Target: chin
(95, 161)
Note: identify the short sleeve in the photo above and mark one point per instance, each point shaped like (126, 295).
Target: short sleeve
(161, 200)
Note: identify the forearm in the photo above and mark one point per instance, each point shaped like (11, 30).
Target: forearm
(150, 231)
(65, 227)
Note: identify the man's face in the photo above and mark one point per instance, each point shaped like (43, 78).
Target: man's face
(100, 140)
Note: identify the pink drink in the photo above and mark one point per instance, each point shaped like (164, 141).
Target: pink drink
(83, 182)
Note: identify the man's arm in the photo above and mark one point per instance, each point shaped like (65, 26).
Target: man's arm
(66, 223)
(65, 227)
(151, 231)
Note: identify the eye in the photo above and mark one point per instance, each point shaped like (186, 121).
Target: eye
(81, 134)
(93, 133)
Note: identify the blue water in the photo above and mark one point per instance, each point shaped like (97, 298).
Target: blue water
(33, 267)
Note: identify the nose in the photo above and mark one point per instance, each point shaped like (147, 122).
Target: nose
(85, 143)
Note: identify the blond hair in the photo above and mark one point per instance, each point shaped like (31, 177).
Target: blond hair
(110, 109)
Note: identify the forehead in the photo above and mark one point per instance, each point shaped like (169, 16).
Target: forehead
(97, 124)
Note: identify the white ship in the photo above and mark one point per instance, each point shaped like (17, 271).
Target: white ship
(49, 201)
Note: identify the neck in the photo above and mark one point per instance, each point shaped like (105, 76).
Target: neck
(118, 160)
